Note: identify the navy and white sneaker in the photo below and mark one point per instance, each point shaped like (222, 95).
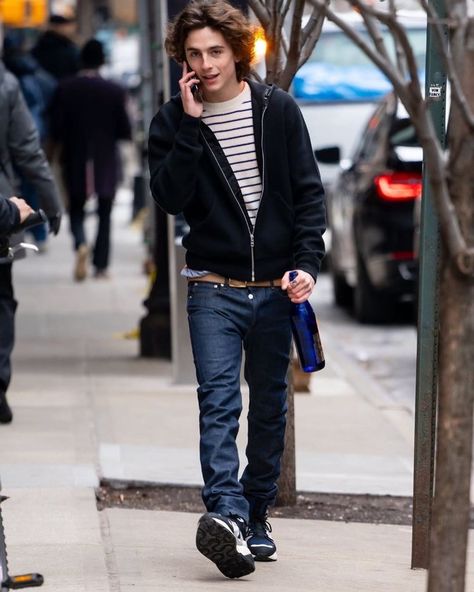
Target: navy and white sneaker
(259, 541)
(221, 539)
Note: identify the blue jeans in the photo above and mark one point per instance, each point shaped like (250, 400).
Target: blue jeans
(222, 321)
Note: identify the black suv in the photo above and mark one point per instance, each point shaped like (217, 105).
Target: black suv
(371, 215)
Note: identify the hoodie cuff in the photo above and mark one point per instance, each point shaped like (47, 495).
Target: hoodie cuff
(190, 125)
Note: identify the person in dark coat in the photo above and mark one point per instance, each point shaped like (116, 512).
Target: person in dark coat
(55, 49)
(20, 151)
(88, 118)
(37, 86)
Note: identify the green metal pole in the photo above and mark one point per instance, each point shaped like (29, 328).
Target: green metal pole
(427, 346)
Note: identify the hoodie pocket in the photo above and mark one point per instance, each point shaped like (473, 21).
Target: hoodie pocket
(274, 234)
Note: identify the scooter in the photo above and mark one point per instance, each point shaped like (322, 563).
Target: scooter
(32, 580)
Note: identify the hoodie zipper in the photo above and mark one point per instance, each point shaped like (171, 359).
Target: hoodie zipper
(266, 98)
(251, 230)
(227, 181)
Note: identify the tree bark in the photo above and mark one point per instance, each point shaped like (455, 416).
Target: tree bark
(454, 444)
(450, 521)
(287, 482)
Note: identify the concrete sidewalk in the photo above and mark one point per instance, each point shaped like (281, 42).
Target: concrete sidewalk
(87, 407)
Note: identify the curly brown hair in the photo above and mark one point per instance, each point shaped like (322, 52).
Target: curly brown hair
(220, 16)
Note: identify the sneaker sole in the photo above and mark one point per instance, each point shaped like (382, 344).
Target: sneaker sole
(219, 545)
(268, 558)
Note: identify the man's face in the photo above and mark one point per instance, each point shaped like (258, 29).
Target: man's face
(211, 57)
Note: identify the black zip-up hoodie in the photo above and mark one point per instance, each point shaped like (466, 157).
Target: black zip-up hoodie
(190, 174)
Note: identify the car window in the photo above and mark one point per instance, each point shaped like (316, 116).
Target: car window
(370, 139)
(403, 133)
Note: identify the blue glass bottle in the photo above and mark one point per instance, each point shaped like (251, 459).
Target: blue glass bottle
(306, 335)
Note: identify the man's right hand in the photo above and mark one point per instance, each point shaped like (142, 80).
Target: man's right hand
(25, 209)
(191, 105)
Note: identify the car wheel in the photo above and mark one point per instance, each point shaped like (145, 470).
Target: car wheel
(343, 294)
(370, 305)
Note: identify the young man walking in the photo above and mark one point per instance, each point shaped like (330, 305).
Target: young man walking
(235, 158)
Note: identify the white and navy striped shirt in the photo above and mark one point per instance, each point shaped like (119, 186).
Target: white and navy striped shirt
(232, 124)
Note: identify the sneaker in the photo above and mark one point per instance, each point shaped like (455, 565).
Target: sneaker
(221, 539)
(6, 414)
(259, 541)
(80, 269)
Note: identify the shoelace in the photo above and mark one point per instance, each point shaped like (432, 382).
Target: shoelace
(259, 528)
(242, 526)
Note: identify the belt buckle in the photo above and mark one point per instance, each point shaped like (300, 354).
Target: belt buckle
(236, 283)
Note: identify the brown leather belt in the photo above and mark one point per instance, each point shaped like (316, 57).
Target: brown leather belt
(219, 279)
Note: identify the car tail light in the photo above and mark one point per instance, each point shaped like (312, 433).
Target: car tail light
(398, 186)
(402, 255)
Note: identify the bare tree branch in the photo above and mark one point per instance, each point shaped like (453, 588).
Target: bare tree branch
(375, 32)
(313, 22)
(286, 8)
(293, 56)
(436, 168)
(398, 49)
(311, 37)
(410, 94)
(397, 80)
(457, 92)
(400, 35)
(260, 11)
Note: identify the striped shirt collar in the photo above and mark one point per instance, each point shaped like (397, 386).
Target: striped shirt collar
(226, 106)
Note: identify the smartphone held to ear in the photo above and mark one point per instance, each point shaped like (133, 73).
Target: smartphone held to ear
(196, 93)
(195, 87)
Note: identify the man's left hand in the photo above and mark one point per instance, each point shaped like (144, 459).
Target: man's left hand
(299, 290)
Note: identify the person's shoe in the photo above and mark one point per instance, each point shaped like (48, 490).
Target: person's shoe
(80, 269)
(222, 540)
(6, 414)
(259, 541)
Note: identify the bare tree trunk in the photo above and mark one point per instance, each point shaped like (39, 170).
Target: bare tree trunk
(450, 522)
(454, 455)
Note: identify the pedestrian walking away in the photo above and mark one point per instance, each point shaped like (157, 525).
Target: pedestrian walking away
(88, 118)
(55, 49)
(20, 151)
(234, 157)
